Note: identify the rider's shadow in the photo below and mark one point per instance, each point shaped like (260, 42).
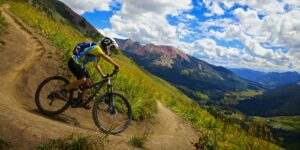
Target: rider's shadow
(62, 118)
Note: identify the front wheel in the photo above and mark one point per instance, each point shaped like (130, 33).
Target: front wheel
(46, 98)
(112, 113)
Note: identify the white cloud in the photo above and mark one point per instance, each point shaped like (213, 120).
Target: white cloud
(110, 33)
(183, 31)
(214, 7)
(145, 21)
(278, 27)
(209, 48)
(186, 18)
(221, 23)
(82, 6)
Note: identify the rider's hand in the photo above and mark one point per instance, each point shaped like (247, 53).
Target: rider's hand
(104, 76)
(117, 68)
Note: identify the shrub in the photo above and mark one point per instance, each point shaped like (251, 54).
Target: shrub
(139, 140)
(73, 142)
(3, 144)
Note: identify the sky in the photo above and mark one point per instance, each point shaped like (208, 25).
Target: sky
(256, 34)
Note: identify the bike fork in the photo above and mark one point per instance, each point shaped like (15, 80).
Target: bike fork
(111, 97)
(112, 104)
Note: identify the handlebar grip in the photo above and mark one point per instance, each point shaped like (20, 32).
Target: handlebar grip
(114, 72)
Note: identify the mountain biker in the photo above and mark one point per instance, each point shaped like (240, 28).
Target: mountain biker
(77, 65)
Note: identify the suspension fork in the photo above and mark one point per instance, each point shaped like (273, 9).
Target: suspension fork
(111, 97)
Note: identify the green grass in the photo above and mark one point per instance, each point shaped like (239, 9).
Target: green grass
(139, 140)
(287, 129)
(286, 122)
(289, 123)
(75, 142)
(218, 133)
(3, 25)
(3, 143)
(2, 22)
(233, 98)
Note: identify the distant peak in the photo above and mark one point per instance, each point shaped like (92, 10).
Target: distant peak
(142, 50)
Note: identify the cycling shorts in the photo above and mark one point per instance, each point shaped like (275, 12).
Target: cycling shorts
(77, 70)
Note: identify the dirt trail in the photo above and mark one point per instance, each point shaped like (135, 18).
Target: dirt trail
(170, 131)
(26, 59)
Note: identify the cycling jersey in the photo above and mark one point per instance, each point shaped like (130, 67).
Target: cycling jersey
(87, 55)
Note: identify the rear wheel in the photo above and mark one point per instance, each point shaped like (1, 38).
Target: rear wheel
(112, 113)
(47, 100)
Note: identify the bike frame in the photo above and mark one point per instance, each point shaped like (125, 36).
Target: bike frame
(98, 86)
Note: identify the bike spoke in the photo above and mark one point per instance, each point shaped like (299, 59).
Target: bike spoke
(47, 99)
(113, 116)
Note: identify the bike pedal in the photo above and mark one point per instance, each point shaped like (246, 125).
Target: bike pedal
(73, 104)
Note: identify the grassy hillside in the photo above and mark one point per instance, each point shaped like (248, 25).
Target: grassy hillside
(142, 88)
(232, 98)
(282, 101)
(286, 127)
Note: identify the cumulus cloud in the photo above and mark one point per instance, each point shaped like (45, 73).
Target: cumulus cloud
(210, 51)
(82, 6)
(186, 18)
(183, 31)
(214, 7)
(111, 33)
(265, 21)
(145, 21)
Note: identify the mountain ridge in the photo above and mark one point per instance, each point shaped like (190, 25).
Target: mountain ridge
(271, 79)
(197, 75)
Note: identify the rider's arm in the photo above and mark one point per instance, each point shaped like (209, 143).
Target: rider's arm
(99, 68)
(108, 59)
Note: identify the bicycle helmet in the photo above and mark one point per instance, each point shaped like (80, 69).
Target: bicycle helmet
(109, 46)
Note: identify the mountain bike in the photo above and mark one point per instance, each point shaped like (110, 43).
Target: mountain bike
(111, 111)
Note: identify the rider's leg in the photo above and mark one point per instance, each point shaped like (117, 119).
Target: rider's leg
(88, 82)
(83, 94)
(81, 75)
(75, 84)
(78, 72)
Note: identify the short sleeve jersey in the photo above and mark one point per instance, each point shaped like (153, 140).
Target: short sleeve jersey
(89, 54)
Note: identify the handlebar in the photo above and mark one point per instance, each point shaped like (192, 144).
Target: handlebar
(112, 74)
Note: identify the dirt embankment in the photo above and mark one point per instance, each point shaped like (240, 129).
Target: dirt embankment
(26, 59)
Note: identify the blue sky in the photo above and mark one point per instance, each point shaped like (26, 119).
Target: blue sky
(256, 34)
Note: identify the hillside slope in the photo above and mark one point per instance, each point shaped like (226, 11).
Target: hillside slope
(282, 101)
(68, 15)
(275, 79)
(27, 63)
(248, 74)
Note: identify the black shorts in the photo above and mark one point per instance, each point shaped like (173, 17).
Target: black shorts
(77, 70)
